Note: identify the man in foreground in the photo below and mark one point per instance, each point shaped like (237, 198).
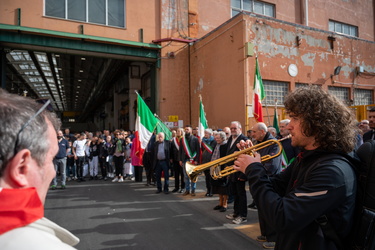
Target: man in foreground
(318, 183)
(29, 145)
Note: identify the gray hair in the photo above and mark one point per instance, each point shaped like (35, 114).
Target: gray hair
(238, 123)
(285, 121)
(262, 126)
(222, 135)
(208, 130)
(15, 112)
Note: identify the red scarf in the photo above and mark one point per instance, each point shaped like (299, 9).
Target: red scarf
(18, 208)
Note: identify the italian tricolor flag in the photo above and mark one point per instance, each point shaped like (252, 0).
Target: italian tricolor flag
(144, 127)
(202, 121)
(259, 94)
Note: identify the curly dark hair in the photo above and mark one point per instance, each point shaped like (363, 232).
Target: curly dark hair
(324, 117)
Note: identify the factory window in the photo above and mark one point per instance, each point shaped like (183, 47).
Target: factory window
(258, 7)
(363, 97)
(343, 28)
(275, 91)
(105, 12)
(341, 93)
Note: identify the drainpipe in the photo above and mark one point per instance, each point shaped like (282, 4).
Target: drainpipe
(307, 12)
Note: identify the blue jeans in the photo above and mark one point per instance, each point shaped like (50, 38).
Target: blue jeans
(162, 166)
(189, 185)
(61, 165)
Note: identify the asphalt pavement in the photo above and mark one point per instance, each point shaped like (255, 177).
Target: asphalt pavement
(130, 215)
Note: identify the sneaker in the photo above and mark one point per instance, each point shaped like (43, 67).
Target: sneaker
(115, 179)
(132, 178)
(53, 187)
(269, 245)
(192, 193)
(63, 186)
(121, 180)
(186, 193)
(261, 238)
(231, 216)
(239, 220)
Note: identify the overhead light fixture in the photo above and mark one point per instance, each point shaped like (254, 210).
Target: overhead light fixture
(81, 70)
(83, 59)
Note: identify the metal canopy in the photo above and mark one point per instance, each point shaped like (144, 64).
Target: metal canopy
(74, 71)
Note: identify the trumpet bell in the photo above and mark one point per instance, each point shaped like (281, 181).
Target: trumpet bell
(193, 175)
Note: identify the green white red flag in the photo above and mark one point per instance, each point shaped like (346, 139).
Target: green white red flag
(259, 94)
(202, 121)
(144, 127)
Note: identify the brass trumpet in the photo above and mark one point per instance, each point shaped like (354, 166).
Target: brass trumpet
(194, 170)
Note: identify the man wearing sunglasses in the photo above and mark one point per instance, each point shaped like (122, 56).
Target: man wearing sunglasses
(28, 147)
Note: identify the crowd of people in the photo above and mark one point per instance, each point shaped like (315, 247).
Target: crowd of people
(111, 153)
(290, 191)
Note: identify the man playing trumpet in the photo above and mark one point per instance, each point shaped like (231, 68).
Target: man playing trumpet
(313, 185)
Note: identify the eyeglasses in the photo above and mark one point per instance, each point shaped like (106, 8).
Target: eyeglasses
(27, 124)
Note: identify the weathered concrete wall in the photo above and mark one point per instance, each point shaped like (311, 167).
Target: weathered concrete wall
(223, 75)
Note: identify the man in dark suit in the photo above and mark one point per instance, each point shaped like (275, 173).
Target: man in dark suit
(238, 179)
(189, 151)
(370, 135)
(161, 162)
(272, 167)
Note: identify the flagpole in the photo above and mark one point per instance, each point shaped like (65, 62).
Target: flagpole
(268, 115)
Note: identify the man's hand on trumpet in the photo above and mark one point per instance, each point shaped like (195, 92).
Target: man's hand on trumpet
(244, 144)
(244, 160)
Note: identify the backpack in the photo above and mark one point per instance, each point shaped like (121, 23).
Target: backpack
(362, 234)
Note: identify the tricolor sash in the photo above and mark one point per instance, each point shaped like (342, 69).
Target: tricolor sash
(187, 149)
(207, 147)
(284, 160)
(176, 142)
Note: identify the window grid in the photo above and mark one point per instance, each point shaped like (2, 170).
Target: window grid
(53, 8)
(275, 90)
(341, 93)
(343, 28)
(253, 6)
(363, 97)
(301, 85)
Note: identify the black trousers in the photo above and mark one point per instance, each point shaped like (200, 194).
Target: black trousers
(149, 167)
(207, 174)
(103, 167)
(240, 199)
(119, 163)
(178, 175)
(79, 163)
(138, 172)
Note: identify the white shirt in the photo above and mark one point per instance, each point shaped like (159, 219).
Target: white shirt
(39, 235)
(79, 147)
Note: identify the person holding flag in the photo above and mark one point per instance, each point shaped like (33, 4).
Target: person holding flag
(189, 151)
(208, 143)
